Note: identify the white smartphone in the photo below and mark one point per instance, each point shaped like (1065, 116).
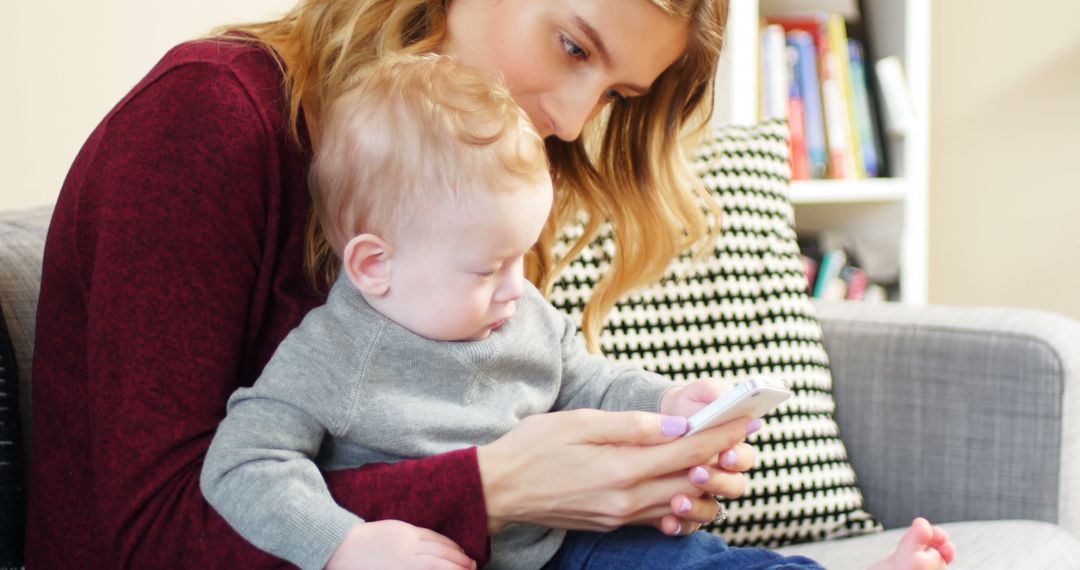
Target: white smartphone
(753, 397)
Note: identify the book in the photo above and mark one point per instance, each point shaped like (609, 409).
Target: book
(875, 294)
(834, 110)
(806, 74)
(838, 47)
(898, 104)
(832, 264)
(800, 159)
(810, 268)
(835, 290)
(857, 282)
(869, 138)
(774, 72)
(836, 131)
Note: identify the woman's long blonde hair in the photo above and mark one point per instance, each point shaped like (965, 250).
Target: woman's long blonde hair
(630, 168)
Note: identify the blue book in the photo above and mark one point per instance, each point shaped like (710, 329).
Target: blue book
(831, 265)
(810, 88)
(868, 136)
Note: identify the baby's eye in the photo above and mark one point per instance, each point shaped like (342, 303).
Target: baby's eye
(572, 49)
(486, 274)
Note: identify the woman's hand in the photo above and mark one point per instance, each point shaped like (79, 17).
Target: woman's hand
(715, 477)
(596, 470)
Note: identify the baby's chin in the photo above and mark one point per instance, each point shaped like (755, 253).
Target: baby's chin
(482, 335)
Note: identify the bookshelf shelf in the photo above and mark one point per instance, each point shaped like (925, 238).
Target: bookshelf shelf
(862, 210)
(848, 191)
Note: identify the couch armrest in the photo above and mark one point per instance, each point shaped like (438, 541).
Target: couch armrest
(959, 413)
(22, 243)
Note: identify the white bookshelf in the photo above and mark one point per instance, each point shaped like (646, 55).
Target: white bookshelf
(890, 213)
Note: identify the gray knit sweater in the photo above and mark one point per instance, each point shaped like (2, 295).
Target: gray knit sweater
(349, 387)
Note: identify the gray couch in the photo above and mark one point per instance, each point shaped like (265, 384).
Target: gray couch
(955, 414)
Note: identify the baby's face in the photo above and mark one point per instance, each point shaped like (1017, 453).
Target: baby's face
(461, 280)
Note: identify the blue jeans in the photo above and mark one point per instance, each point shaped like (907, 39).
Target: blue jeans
(645, 547)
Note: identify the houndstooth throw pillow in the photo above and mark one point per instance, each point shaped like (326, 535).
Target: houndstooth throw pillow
(739, 312)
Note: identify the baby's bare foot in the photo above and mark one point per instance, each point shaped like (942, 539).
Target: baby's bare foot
(923, 547)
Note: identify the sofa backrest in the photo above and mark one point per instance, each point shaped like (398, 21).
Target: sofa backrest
(22, 243)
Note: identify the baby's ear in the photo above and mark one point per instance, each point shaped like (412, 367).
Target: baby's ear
(366, 260)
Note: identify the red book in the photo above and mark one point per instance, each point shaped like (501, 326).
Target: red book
(810, 267)
(800, 155)
(857, 282)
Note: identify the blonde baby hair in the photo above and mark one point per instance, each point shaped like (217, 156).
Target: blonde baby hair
(413, 138)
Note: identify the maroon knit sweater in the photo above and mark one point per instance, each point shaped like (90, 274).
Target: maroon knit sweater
(173, 268)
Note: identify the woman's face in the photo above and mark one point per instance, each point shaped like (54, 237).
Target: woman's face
(565, 59)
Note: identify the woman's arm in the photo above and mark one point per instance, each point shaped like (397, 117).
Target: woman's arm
(153, 276)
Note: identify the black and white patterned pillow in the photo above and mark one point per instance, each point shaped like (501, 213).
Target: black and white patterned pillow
(739, 312)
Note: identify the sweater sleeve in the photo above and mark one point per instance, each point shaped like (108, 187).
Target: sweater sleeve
(593, 381)
(260, 473)
(169, 234)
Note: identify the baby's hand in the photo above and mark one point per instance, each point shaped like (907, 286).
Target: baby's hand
(686, 400)
(396, 544)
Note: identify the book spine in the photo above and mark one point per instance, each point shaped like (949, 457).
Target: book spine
(868, 136)
(774, 72)
(896, 96)
(829, 271)
(806, 74)
(800, 160)
(837, 32)
(835, 128)
(810, 267)
(857, 282)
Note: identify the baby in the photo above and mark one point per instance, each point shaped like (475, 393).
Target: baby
(431, 186)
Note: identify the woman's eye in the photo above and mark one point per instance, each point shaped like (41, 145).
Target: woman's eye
(572, 49)
(613, 96)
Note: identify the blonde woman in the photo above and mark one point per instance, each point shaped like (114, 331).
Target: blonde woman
(183, 249)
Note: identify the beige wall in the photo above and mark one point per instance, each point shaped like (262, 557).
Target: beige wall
(1005, 172)
(69, 62)
(1005, 144)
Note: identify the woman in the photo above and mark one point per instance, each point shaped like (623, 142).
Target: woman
(181, 252)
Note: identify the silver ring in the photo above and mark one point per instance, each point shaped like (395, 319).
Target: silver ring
(721, 512)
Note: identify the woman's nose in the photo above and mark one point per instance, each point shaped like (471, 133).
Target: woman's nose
(573, 108)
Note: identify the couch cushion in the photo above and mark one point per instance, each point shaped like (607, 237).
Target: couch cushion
(744, 311)
(22, 242)
(989, 545)
(12, 474)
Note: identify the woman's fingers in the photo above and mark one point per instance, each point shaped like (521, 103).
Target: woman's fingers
(686, 452)
(694, 509)
(638, 428)
(719, 482)
(672, 525)
(740, 458)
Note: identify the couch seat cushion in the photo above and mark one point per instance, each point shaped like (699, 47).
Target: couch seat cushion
(985, 545)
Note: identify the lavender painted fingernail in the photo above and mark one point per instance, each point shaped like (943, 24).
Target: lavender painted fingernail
(673, 425)
(684, 506)
(729, 459)
(754, 426)
(699, 475)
